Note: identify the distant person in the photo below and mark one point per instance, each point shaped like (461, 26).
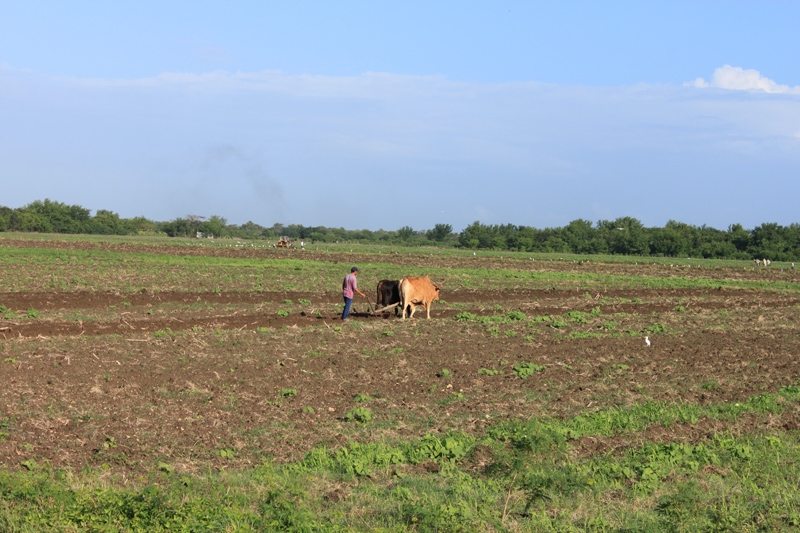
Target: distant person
(349, 287)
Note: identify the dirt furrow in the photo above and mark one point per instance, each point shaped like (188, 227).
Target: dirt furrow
(44, 301)
(261, 319)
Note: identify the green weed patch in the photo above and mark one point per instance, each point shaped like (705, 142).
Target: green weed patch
(432, 483)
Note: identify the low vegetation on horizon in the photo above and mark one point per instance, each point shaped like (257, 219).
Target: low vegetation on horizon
(623, 236)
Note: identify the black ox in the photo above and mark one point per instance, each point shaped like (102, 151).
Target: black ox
(389, 294)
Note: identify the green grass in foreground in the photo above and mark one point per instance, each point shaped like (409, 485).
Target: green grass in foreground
(520, 476)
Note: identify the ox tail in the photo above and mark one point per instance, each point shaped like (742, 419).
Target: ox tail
(402, 290)
(379, 298)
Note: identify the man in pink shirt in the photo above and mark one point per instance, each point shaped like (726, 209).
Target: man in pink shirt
(349, 287)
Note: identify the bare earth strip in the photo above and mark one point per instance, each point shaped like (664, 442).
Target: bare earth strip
(132, 398)
(534, 302)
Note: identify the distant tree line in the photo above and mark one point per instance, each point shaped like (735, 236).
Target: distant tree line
(627, 236)
(623, 236)
(48, 216)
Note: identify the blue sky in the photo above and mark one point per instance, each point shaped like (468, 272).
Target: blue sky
(360, 115)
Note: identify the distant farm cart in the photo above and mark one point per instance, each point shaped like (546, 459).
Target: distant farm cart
(284, 242)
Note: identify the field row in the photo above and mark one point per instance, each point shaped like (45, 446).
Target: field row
(132, 269)
(228, 388)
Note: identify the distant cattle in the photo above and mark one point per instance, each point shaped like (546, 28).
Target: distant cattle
(417, 291)
(388, 294)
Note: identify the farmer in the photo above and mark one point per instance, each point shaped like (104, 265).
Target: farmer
(349, 286)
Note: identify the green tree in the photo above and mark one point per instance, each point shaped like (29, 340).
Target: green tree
(180, 227)
(673, 240)
(405, 233)
(739, 237)
(248, 230)
(106, 223)
(477, 235)
(215, 225)
(440, 232)
(768, 242)
(580, 236)
(626, 236)
(5, 217)
(140, 224)
(24, 220)
(60, 217)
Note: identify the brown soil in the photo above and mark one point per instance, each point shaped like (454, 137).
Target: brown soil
(533, 302)
(130, 389)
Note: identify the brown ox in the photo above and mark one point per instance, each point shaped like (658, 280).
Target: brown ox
(417, 291)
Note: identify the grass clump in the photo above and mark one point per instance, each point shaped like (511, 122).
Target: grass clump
(585, 335)
(526, 370)
(358, 414)
(655, 328)
(511, 316)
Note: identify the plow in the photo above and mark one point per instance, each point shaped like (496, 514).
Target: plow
(373, 310)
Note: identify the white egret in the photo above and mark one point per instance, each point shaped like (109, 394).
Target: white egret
(647, 341)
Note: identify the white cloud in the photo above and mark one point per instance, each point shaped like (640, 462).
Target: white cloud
(366, 86)
(699, 83)
(739, 79)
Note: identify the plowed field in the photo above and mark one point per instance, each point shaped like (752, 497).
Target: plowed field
(94, 375)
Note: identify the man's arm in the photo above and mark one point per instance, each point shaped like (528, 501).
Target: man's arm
(355, 287)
